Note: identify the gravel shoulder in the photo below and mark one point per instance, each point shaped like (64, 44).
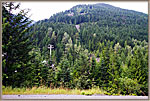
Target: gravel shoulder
(70, 97)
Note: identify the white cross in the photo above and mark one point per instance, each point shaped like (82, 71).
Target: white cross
(50, 48)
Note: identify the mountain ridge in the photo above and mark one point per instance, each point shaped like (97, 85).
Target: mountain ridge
(119, 22)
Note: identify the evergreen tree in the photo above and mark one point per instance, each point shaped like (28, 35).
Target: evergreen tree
(16, 44)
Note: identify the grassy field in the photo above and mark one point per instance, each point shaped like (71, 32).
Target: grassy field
(46, 90)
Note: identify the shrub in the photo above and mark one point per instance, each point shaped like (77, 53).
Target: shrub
(129, 86)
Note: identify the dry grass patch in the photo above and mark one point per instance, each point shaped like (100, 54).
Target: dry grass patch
(46, 90)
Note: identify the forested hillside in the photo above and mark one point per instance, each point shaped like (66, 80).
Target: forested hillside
(95, 45)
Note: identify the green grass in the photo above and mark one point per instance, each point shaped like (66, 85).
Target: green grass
(46, 90)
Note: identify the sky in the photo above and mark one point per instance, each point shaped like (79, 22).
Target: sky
(43, 10)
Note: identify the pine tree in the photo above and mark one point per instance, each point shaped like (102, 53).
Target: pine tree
(16, 44)
(63, 73)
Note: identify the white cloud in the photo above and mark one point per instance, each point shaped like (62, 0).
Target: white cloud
(43, 10)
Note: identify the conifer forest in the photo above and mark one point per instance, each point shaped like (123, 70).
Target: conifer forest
(87, 46)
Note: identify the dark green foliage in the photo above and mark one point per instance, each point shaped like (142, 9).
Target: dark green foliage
(94, 45)
(16, 45)
(63, 73)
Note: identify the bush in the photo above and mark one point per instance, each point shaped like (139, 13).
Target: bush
(82, 93)
(87, 93)
(3, 87)
(129, 86)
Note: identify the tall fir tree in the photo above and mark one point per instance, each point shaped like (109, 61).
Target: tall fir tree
(16, 44)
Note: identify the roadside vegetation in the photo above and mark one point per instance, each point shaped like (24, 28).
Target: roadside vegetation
(47, 90)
